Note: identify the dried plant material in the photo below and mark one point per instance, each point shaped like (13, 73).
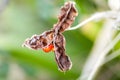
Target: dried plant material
(62, 59)
(66, 16)
(53, 40)
(39, 41)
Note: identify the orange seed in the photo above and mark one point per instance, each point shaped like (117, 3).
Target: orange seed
(49, 48)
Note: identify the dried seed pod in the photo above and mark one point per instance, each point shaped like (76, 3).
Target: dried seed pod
(62, 59)
(39, 41)
(66, 16)
(53, 39)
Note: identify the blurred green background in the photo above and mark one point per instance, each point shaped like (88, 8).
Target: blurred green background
(20, 19)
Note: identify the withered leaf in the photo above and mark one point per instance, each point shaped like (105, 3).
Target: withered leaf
(54, 37)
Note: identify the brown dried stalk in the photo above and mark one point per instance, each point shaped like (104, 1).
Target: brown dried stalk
(55, 37)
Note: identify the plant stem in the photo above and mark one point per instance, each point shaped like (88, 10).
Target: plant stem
(97, 16)
(101, 58)
(112, 56)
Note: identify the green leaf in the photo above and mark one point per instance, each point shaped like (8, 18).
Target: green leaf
(86, 6)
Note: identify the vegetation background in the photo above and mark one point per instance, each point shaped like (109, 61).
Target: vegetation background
(20, 19)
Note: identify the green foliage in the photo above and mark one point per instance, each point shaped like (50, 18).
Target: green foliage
(86, 6)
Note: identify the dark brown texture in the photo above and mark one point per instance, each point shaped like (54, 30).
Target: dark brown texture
(62, 59)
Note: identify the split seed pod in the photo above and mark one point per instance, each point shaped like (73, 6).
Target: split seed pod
(53, 40)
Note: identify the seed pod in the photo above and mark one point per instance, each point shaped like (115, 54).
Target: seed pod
(62, 59)
(66, 16)
(53, 39)
(39, 41)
